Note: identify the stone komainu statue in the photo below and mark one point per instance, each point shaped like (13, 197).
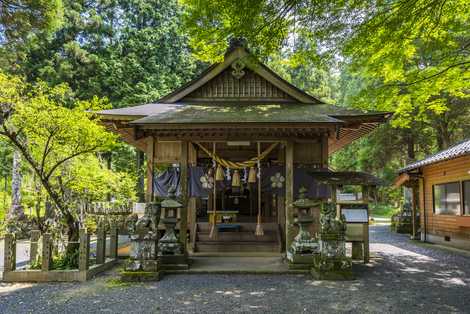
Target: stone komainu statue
(143, 233)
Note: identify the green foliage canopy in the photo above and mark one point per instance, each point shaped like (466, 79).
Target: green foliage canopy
(50, 136)
(129, 51)
(19, 18)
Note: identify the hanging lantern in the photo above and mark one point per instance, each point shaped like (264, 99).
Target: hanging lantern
(252, 175)
(236, 179)
(219, 173)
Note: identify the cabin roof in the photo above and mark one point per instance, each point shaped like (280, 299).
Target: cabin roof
(459, 149)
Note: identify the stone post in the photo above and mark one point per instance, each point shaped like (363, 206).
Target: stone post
(101, 245)
(113, 241)
(357, 250)
(46, 252)
(9, 252)
(84, 250)
(34, 244)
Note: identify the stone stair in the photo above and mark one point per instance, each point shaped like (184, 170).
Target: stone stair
(243, 240)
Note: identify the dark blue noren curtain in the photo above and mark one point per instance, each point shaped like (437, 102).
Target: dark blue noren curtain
(164, 180)
(272, 181)
(196, 186)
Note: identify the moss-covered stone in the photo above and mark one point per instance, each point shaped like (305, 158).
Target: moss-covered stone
(140, 276)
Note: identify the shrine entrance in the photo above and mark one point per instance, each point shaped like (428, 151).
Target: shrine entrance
(240, 196)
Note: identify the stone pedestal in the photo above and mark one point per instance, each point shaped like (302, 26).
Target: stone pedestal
(332, 263)
(170, 249)
(143, 263)
(304, 247)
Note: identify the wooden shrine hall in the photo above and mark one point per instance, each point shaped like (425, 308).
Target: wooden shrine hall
(241, 142)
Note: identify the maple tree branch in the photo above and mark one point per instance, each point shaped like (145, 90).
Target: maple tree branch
(429, 76)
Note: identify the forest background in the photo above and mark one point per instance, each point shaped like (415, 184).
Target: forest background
(408, 57)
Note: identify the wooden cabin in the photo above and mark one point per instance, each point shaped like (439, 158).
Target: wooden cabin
(441, 185)
(239, 113)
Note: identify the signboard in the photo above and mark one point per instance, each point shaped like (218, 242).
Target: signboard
(139, 209)
(355, 215)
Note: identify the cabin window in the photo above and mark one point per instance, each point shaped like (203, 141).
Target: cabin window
(466, 197)
(447, 198)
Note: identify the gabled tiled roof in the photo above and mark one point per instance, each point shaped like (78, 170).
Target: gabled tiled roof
(460, 149)
(236, 113)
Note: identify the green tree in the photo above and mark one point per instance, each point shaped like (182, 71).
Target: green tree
(50, 136)
(131, 51)
(412, 56)
(19, 18)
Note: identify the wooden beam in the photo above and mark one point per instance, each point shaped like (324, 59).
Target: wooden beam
(401, 179)
(150, 167)
(289, 193)
(237, 125)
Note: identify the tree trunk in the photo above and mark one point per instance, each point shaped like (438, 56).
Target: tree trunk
(410, 145)
(16, 210)
(443, 134)
(73, 238)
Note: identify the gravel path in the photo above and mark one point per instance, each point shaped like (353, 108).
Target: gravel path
(402, 277)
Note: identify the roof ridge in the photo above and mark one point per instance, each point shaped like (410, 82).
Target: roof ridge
(428, 159)
(235, 54)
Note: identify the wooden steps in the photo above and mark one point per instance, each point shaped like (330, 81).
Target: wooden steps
(241, 241)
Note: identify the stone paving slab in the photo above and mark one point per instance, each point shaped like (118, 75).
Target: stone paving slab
(402, 278)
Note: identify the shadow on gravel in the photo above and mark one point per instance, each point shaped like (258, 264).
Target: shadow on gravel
(401, 277)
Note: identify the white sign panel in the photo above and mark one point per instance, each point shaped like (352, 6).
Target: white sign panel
(355, 214)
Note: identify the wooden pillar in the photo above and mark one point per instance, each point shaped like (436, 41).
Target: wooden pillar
(289, 193)
(150, 167)
(324, 151)
(192, 216)
(46, 252)
(140, 176)
(365, 198)
(113, 241)
(366, 242)
(84, 250)
(33, 248)
(414, 207)
(100, 245)
(422, 208)
(184, 193)
(192, 223)
(9, 253)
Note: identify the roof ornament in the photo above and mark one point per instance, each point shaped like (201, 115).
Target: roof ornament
(236, 42)
(238, 67)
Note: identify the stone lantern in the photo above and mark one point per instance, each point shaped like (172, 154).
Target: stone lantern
(170, 249)
(304, 246)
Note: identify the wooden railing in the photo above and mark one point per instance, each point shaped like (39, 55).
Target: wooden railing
(46, 273)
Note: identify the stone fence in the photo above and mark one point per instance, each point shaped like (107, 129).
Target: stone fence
(84, 272)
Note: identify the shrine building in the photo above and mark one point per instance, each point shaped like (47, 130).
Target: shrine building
(238, 143)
